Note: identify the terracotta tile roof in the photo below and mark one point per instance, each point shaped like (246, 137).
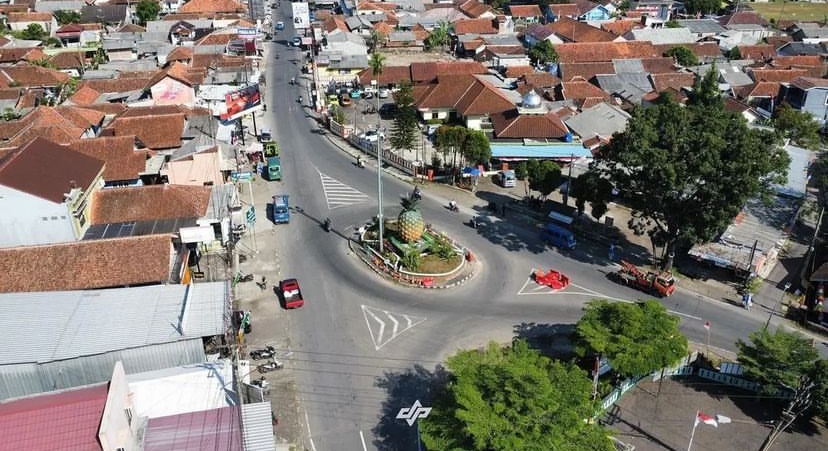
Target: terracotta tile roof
(797, 61)
(336, 23)
(541, 80)
(21, 7)
(9, 93)
(420, 33)
(674, 80)
(148, 203)
(154, 110)
(387, 7)
(122, 162)
(735, 106)
(590, 102)
(115, 85)
(87, 265)
(518, 71)
(806, 83)
(217, 38)
(776, 75)
(81, 117)
(700, 49)
(29, 98)
(29, 17)
(33, 76)
(181, 53)
(463, 92)
(660, 65)
(16, 54)
(110, 109)
(154, 131)
(211, 6)
(778, 41)
(525, 11)
(570, 30)
(46, 122)
(46, 170)
(323, 14)
(429, 71)
(511, 124)
(177, 71)
(585, 70)
(68, 60)
(71, 417)
(758, 52)
(767, 89)
(742, 18)
(582, 52)
(475, 26)
(383, 27)
(565, 10)
(130, 28)
(581, 89)
(215, 60)
(620, 27)
(473, 8)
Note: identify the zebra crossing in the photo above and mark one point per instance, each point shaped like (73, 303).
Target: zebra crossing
(338, 194)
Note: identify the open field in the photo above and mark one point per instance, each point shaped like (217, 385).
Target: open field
(791, 10)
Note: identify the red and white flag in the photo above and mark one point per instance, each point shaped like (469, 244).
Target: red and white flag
(706, 419)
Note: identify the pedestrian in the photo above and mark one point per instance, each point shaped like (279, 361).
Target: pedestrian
(612, 252)
(747, 301)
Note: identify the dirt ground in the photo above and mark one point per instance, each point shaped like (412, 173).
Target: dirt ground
(406, 57)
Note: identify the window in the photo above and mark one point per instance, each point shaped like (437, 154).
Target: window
(128, 413)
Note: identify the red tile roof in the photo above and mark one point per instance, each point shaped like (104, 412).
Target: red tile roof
(473, 8)
(777, 75)
(700, 49)
(29, 17)
(581, 89)
(518, 71)
(541, 80)
(659, 65)
(389, 75)
(32, 76)
(582, 52)
(57, 124)
(16, 54)
(806, 83)
(570, 30)
(150, 202)
(742, 18)
(122, 162)
(674, 80)
(212, 6)
(60, 420)
(44, 169)
(565, 10)
(525, 11)
(511, 124)
(765, 89)
(797, 61)
(463, 92)
(116, 85)
(620, 27)
(476, 26)
(758, 52)
(429, 71)
(335, 23)
(181, 53)
(156, 132)
(585, 70)
(87, 265)
(68, 60)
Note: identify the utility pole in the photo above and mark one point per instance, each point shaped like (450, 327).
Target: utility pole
(798, 405)
(379, 174)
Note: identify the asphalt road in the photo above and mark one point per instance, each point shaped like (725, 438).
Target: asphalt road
(364, 348)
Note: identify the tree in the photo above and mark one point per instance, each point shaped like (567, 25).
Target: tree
(637, 339)
(820, 377)
(781, 358)
(439, 37)
(511, 399)
(688, 171)
(376, 40)
(683, 56)
(545, 177)
(33, 32)
(10, 114)
(63, 16)
(475, 147)
(147, 10)
(702, 6)
(542, 53)
(672, 23)
(583, 188)
(734, 54)
(404, 130)
(376, 63)
(798, 126)
(471, 145)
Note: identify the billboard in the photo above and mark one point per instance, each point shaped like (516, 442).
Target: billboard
(238, 103)
(301, 15)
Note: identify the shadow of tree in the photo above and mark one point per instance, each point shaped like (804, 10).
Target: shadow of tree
(403, 389)
(551, 340)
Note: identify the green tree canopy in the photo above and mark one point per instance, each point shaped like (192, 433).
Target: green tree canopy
(376, 40)
(585, 186)
(689, 170)
(683, 56)
(776, 359)
(439, 37)
(404, 129)
(543, 53)
(376, 63)
(544, 176)
(820, 377)
(734, 54)
(33, 32)
(637, 339)
(63, 16)
(798, 126)
(147, 10)
(702, 6)
(512, 399)
(471, 146)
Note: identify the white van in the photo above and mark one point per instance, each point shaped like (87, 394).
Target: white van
(507, 179)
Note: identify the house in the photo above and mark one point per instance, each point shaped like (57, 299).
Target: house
(630, 87)
(758, 52)
(733, 77)
(809, 32)
(581, 92)
(530, 120)
(661, 35)
(461, 97)
(567, 30)
(151, 203)
(525, 14)
(702, 28)
(673, 81)
(173, 86)
(72, 63)
(620, 26)
(154, 128)
(809, 95)
(496, 25)
(211, 7)
(105, 14)
(476, 10)
(501, 57)
(599, 121)
(19, 21)
(746, 23)
(30, 76)
(59, 125)
(556, 11)
(800, 49)
(120, 50)
(595, 12)
(582, 52)
(761, 95)
(200, 168)
(12, 55)
(428, 72)
(45, 192)
(123, 164)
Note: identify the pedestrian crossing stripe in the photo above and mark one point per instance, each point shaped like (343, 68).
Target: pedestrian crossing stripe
(338, 194)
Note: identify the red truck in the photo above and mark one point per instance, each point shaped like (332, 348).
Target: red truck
(291, 293)
(661, 284)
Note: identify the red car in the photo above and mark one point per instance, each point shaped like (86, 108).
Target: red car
(291, 293)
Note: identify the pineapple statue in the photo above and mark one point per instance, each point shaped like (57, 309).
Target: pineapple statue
(410, 220)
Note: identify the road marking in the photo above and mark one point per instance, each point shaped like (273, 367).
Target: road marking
(379, 319)
(362, 437)
(310, 435)
(338, 194)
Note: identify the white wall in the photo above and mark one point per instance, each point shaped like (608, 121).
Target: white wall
(22, 223)
(116, 425)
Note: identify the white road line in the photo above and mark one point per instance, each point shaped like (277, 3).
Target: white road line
(338, 194)
(377, 339)
(362, 437)
(396, 324)
(373, 314)
(310, 434)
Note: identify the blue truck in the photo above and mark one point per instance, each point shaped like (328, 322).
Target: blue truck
(281, 209)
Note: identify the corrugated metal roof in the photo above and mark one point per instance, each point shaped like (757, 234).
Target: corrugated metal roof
(257, 427)
(71, 324)
(539, 151)
(216, 429)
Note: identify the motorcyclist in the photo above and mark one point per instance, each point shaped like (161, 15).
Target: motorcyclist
(417, 194)
(359, 161)
(452, 205)
(327, 224)
(292, 80)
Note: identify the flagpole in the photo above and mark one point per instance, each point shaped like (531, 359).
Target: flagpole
(693, 432)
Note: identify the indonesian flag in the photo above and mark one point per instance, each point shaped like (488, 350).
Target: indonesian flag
(702, 418)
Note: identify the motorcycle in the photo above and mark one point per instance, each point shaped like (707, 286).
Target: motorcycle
(452, 206)
(242, 277)
(261, 354)
(417, 194)
(299, 100)
(272, 365)
(473, 222)
(263, 384)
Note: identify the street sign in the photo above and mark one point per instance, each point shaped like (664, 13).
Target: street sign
(413, 413)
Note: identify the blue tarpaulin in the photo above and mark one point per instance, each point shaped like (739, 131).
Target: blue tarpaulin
(543, 151)
(471, 172)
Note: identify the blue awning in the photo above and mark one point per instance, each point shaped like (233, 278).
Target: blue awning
(543, 151)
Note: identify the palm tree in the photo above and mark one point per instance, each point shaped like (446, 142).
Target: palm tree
(376, 40)
(377, 63)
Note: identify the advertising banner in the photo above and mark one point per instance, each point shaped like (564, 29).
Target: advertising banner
(241, 102)
(301, 15)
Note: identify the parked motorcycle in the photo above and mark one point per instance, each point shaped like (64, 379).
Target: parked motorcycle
(263, 384)
(242, 277)
(260, 354)
(272, 365)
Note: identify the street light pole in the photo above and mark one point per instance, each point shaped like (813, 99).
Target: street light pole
(776, 304)
(379, 170)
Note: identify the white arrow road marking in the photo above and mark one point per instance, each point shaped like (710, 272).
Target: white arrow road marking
(338, 194)
(376, 320)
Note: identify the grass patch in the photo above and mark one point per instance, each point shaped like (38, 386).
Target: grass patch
(796, 11)
(433, 264)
